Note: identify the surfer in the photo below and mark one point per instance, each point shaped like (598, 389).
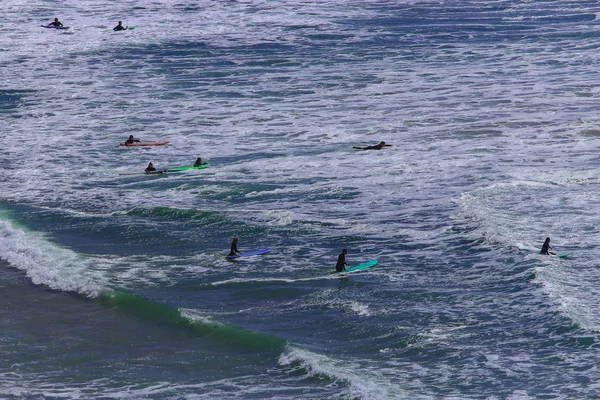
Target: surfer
(546, 248)
(199, 162)
(379, 146)
(131, 140)
(120, 27)
(150, 168)
(341, 261)
(234, 249)
(56, 22)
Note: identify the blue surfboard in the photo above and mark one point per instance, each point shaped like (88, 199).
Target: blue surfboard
(250, 253)
(55, 27)
(360, 267)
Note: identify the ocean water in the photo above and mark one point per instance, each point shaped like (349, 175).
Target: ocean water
(114, 285)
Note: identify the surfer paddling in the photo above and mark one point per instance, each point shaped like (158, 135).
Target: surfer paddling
(341, 261)
(150, 168)
(199, 162)
(132, 140)
(120, 27)
(546, 248)
(56, 23)
(379, 146)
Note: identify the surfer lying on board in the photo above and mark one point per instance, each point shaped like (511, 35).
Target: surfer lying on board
(341, 262)
(55, 23)
(546, 249)
(120, 27)
(379, 146)
(150, 168)
(199, 162)
(131, 140)
(234, 249)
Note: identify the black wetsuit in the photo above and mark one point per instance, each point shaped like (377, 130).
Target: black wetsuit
(130, 141)
(234, 249)
(119, 28)
(55, 23)
(374, 147)
(150, 169)
(546, 248)
(341, 263)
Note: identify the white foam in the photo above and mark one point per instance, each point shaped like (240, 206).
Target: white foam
(366, 384)
(47, 264)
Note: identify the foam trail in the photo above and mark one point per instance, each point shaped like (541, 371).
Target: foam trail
(365, 385)
(46, 263)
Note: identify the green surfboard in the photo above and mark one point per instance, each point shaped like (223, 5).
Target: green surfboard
(189, 168)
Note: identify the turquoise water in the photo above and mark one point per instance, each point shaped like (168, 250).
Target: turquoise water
(117, 286)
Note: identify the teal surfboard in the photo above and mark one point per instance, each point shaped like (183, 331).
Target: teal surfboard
(360, 267)
(563, 255)
(189, 168)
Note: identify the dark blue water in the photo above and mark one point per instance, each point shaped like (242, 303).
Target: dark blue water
(116, 285)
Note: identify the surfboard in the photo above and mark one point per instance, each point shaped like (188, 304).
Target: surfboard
(360, 267)
(250, 253)
(55, 27)
(563, 255)
(142, 144)
(127, 28)
(191, 167)
(144, 173)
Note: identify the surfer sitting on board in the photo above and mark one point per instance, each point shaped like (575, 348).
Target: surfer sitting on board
(131, 140)
(546, 248)
(341, 262)
(150, 168)
(55, 23)
(120, 27)
(234, 249)
(379, 146)
(199, 162)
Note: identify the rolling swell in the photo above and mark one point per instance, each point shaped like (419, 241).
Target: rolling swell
(220, 334)
(178, 214)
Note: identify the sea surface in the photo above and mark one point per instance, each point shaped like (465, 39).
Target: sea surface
(114, 284)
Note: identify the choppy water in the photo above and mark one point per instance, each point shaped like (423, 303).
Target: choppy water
(115, 286)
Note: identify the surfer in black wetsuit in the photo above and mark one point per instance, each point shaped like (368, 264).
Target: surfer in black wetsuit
(56, 22)
(150, 168)
(199, 162)
(546, 249)
(120, 27)
(341, 261)
(234, 249)
(131, 140)
(379, 146)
